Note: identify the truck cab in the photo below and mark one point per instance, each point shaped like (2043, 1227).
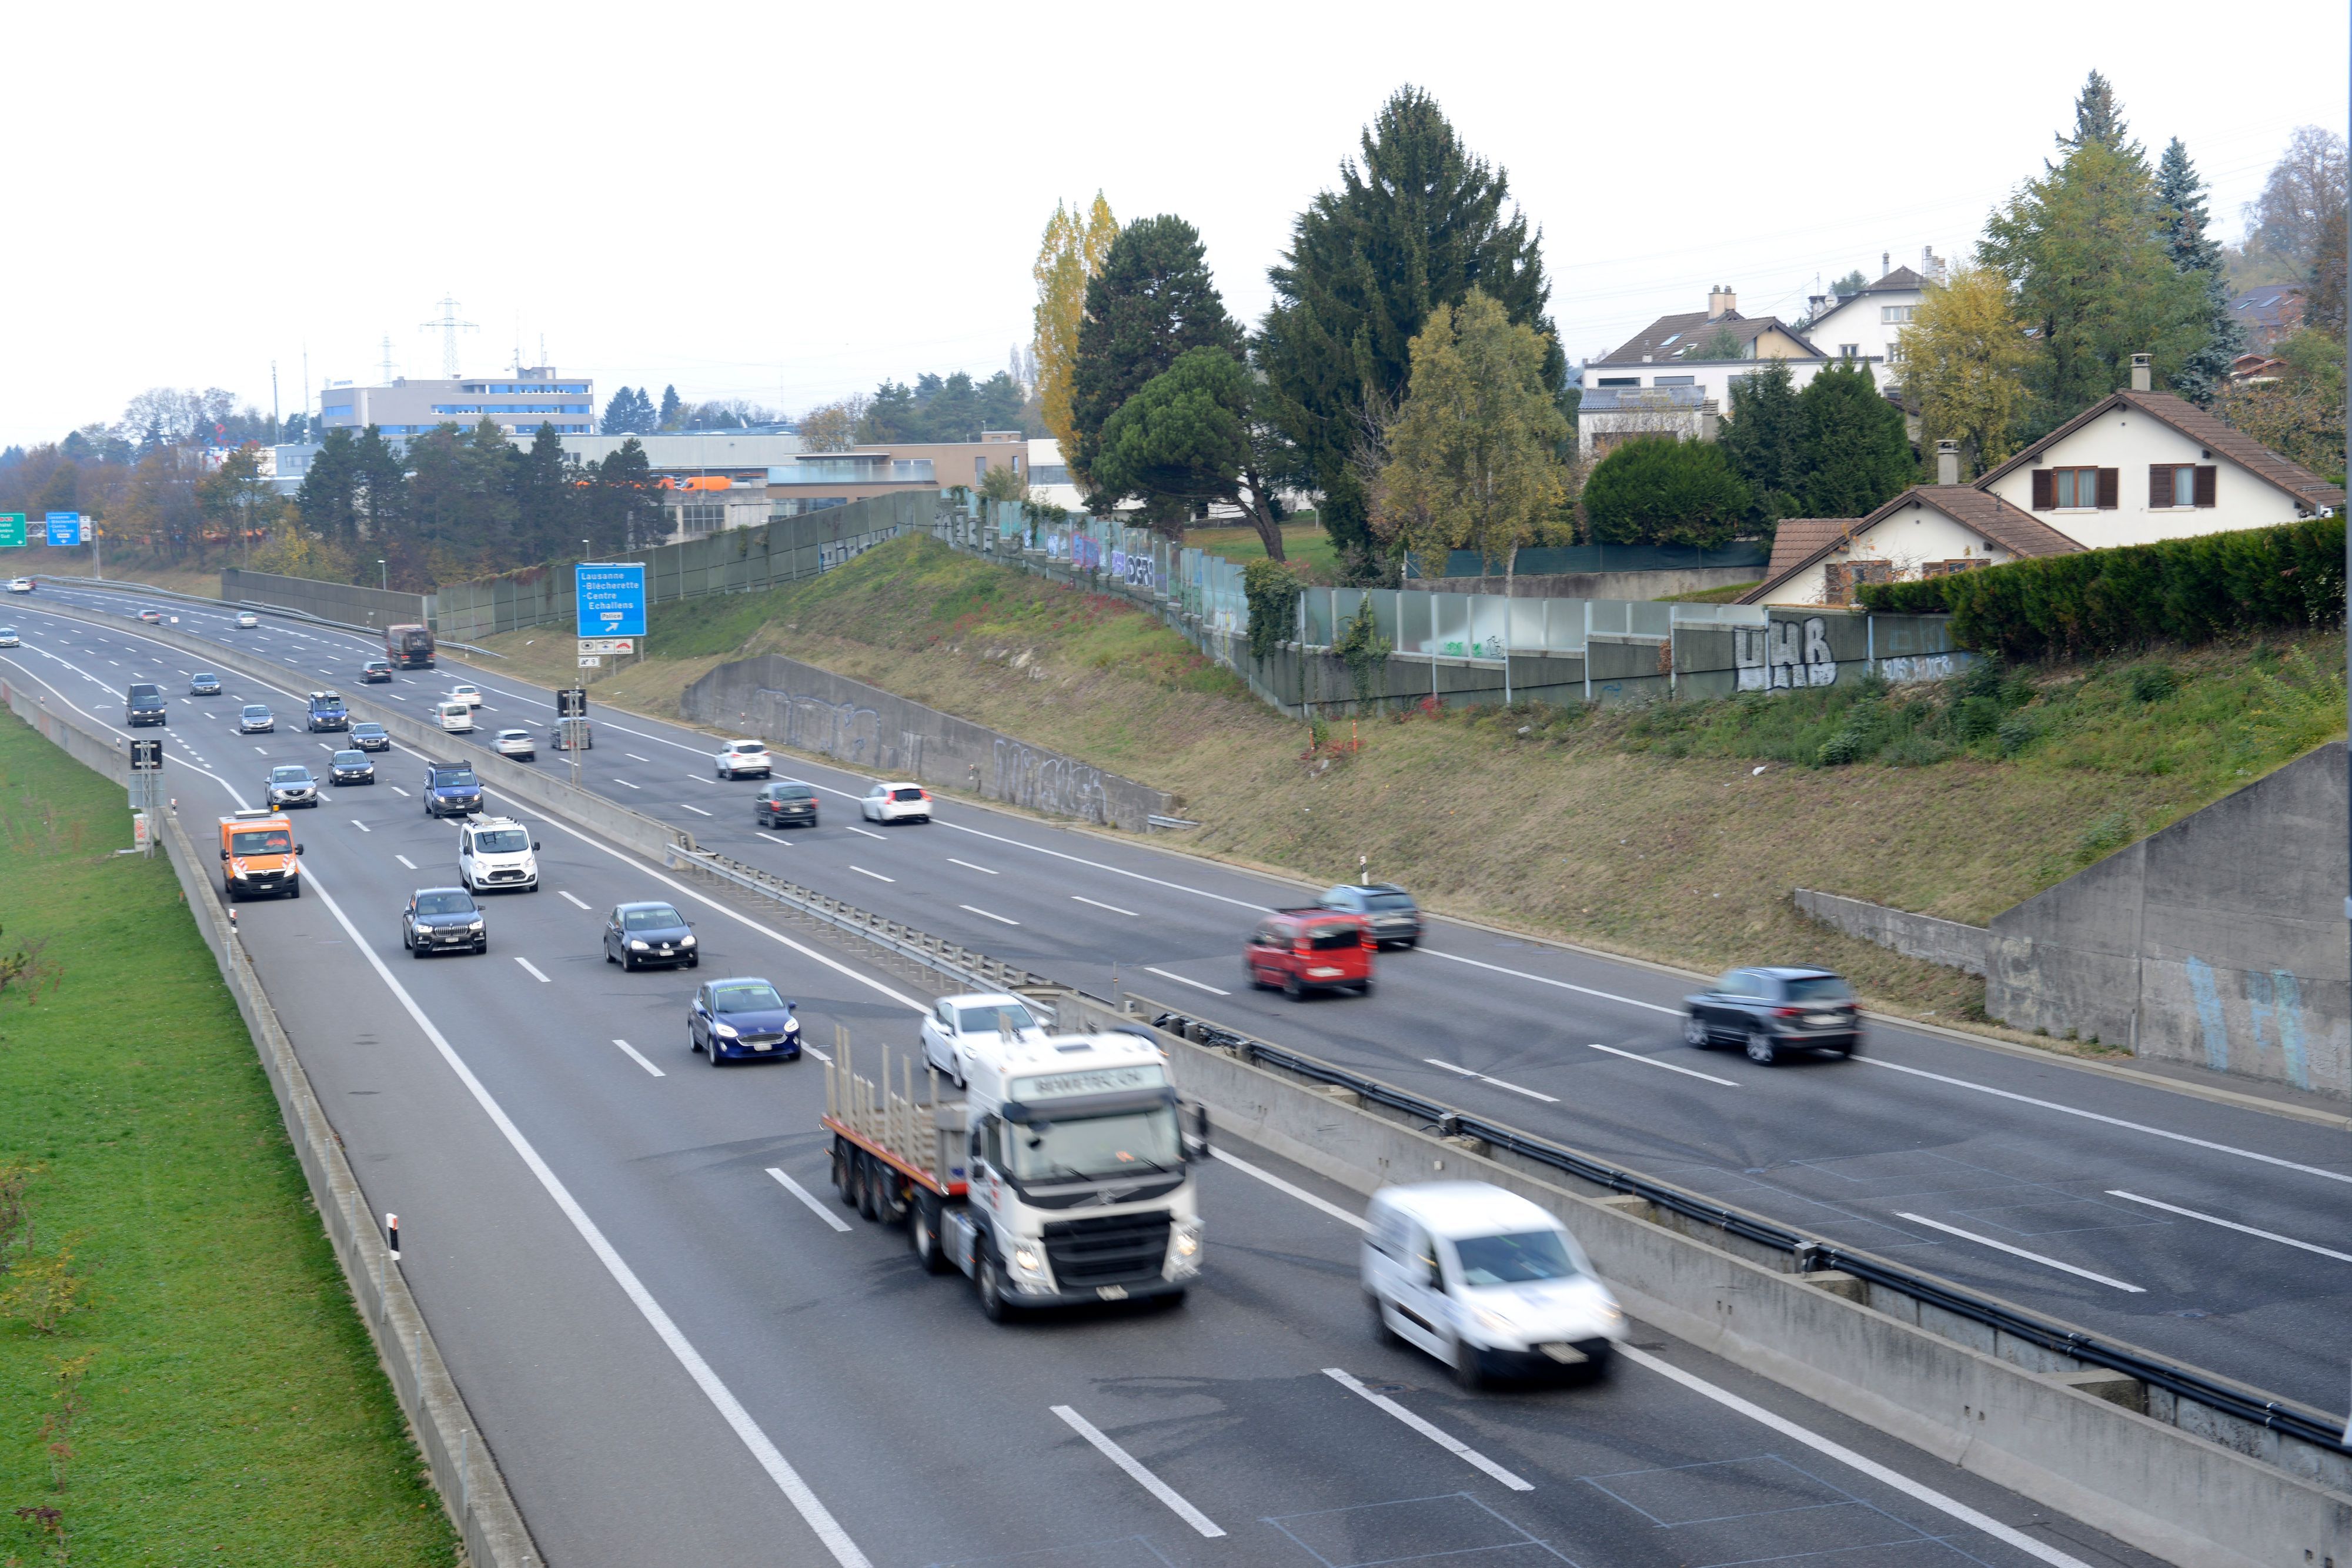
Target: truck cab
(143, 703)
(409, 647)
(327, 711)
(259, 857)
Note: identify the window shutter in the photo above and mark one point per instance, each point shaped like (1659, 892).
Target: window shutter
(2042, 502)
(2207, 476)
(2160, 484)
(2111, 488)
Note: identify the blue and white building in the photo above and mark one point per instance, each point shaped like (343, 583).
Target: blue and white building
(518, 401)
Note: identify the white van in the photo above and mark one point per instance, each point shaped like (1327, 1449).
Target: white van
(457, 715)
(496, 852)
(1486, 1282)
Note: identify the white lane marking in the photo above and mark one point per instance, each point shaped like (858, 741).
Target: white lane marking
(1114, 908)
(862, 831)
(625, 784)
(264, 750)
(778, 838)
(1437, 1435)
(530, 969)
(569, 899)
(877, 875)
(635, 758)
(818, 1517)
(1497, 1082)
(2232, 1225)
(2110, 1120)
(1099, 865)
(1545, 980)
(648, 1066)
(406, 862)
(975, 909)
(399, 792)
(969, 866)
(1300, 1193)
(2019, 1252)
(1653, 1061)
(1181, 980)
(695, 810)
(1880, 1473)
(362, 827)
(1141, 1477)
(798, 1191)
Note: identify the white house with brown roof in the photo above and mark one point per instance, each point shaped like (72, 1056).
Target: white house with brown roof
(1864, 326)
(1675, 377)
(1925, 531)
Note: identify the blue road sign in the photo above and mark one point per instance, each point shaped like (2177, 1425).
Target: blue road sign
(65, 527)
(611, 599)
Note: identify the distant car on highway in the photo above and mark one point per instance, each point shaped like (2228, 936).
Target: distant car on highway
(203, 684)
(326, 710)
(376, 671)
(255, 718)
(352, 767)
(782, 802)
(8, 637)
(246, 620)
(1311, 949)
(903, 801)
(1775, 1012)
(517, 744)
(20, 585)
(153, 617)
(443, 920)
(636, 935)
(290, 784)
(451, 789)
(371, 737)
(464, 692)
(1395, 918)
(741, 1018)
(497, 852)
(955, 1021)
(145, 703)
(737, 757)
(455, 715)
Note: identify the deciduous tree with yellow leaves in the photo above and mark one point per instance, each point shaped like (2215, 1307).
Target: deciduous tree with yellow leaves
(1072, 252)
(1963, 363)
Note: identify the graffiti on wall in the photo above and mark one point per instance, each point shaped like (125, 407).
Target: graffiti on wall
(845, 730)
(1044, 781)
(1784, 655)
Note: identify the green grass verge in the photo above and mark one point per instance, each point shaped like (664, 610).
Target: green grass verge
(232, 1407)
(1304, 545)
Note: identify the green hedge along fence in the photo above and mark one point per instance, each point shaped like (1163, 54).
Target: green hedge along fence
(2179, 591)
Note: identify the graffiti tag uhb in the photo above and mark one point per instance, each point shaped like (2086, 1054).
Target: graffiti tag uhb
(1783, 655)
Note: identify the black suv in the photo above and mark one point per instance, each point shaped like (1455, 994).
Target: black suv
(1774, 1011)
(143, 704)
(1394, 917)
(782, 802)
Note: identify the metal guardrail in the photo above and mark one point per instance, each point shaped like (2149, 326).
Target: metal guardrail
(259, 606)
(1811, 1253)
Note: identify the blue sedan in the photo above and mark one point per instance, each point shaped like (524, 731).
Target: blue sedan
(741, 1018)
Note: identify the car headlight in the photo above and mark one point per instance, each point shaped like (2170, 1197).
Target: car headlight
(686, 941)
(1026, 1258)
(476, 926)
(723, 1030)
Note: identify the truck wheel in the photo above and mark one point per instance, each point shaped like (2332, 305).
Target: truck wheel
(923, 1233)
(297, 890)
(841, 1169)
(988, 1282)
(869, 1189)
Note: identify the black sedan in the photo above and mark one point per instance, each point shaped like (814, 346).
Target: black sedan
(376, 670)
(1772, 1012)
(352, 767)
(443, 920)
(203, 684)
(1394, 918)
(636, 935)
(783, 802)
(743, 1017)
(371, 737)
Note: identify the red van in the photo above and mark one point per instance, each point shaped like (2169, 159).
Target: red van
(1304, 950)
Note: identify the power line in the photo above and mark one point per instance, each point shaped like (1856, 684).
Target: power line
(449, 327)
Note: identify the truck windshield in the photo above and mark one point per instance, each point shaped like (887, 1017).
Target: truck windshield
(1095, 1147)
(1514, 1260)
(502, 841)
(262, 842)
(417, 641)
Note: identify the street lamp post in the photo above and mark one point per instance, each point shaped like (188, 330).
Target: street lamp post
(383, 575)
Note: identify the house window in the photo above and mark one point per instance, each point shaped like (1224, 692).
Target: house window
(2063, 488)
(2180, 485)
(1946, 568)
(1849, 350)
(1605, 381)
(1841, 579)
(1675, 381)
(701, 518)
(1890, 314)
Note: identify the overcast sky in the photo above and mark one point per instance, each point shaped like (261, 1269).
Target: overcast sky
(787, 202)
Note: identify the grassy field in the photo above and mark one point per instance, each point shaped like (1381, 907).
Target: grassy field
(230, 1408)
(1673, 832)
(205, 584)
(1304, 545)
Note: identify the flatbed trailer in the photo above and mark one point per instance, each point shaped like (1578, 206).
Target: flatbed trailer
(890, 1151)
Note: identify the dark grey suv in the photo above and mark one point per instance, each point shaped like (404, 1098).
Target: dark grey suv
(1394, 917)
(1772, 1011)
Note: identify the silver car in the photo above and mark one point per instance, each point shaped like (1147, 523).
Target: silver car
(517, 744)
(256, 719)
(290, 784)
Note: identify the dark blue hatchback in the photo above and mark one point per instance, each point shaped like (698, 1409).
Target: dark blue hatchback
(743, 1017)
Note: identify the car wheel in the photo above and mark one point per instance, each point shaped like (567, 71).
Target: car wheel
(482, 947)
(955, 1070)
(1365, 989)
(1759, 1048)
(1292, 988)
(694, 962)
(608, 956)
(1381, 1332)
(297, 891)
(1467, 1372)
(923, 1234)
(415, 951)
(628, 964)
(710, 1049)
(990, 1282)
(1694, 1033)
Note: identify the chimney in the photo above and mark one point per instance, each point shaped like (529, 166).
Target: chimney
(1720, 301)
(1885, 262)
(2141, 373)
(1947, 463)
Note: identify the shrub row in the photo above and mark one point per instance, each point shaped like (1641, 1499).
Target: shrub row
(2179, 590)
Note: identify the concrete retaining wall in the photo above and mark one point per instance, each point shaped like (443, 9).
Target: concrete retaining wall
(810, 709)
(2180, 1496)
(343, 601)
(1945, 942)
(2219, 941)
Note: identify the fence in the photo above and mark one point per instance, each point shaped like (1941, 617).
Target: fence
(375, 608)
(1556, 559)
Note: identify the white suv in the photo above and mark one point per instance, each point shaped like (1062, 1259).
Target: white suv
(496, 852)
(737, 757)
(903, 801)
(953, 1021)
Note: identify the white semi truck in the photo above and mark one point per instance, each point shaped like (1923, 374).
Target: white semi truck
(1064, 1175)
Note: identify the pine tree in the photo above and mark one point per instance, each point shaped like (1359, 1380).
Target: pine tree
(1764, 441)
(1855, 454)
(1189, 437)
(1152, 300)
(1416, 225)
(2196, 254)
(2099, 121)
(673, 411)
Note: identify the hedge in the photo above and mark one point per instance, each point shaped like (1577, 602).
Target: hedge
(2178, 590)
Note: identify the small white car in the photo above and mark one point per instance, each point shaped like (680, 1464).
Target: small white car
(904, 801)
(20, 585)
(952, 1020)
(246, 620)
(738, 757)
(517, 744)
(496, 852)
(1486, 1282)
(455, 717)
(8, 637)
(463, 692)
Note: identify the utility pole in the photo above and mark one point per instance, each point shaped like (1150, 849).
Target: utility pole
(387, 359)
(448, 326)
(277, 430)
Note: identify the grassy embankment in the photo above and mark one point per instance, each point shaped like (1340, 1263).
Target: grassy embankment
(1673, 832)
(229, 1406)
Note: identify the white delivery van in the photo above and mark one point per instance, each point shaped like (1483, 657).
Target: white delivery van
(457, 715)
(1486, 1282)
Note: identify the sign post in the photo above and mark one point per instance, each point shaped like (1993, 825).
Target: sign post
(146, 791)
(571, 723)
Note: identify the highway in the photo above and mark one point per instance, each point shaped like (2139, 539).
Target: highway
(683, 1350)
(2213, 1233)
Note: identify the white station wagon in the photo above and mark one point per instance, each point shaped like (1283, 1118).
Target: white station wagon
(740, 759)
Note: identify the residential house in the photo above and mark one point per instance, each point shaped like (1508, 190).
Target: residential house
(2269, 313)
(1675, 376)
(1865, 326)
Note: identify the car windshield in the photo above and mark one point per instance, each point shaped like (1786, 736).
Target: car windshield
(351, 759)
(652, 917)
(1324, 938)
(207, 680)
(746, 997)
(747, 745)
(994, 1017)
(290, 775)
(1514, 1260)
(367, 729)
(145, 689)
(502, 841)
(1094, 1146)
(326, 704)
(254, 710)
(1819, 988)
(1388, 901)
(452, 778)
(445, 903)
(261, 842)
(906, 794)
(514, 734)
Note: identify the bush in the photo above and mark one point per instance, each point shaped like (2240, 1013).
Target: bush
(1656, 490)
(1977, 717)
(2188, 592)
(2016, 732)
(2153, 683)
(1272, 589)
